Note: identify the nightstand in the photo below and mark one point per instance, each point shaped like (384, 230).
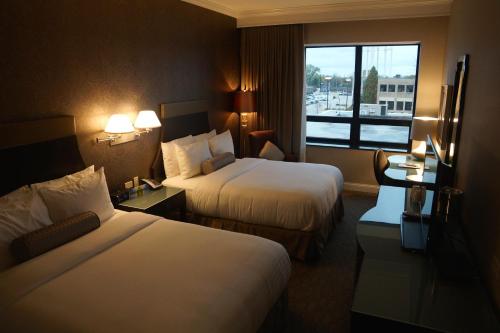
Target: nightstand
(168, 202)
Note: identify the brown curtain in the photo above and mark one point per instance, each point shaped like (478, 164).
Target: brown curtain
(272, 65)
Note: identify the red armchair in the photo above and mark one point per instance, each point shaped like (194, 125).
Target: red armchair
(258, 139)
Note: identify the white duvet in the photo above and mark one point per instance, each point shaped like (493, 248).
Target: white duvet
(297, 196)
(142, 273)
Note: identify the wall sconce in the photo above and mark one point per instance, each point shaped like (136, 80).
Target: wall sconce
(244, 103)
(420, 128)
(120, 129)
(118, 124)
(146, 120)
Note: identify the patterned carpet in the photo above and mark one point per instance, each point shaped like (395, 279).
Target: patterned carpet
(320, 294)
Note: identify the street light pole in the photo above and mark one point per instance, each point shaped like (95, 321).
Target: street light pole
(328, 79)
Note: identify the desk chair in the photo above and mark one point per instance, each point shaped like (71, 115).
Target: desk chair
(380, 164)
(258, 139)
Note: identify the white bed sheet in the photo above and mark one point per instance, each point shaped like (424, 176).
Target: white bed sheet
(296, 196)
(142, 273)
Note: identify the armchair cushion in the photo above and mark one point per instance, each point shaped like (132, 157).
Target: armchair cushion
(258, 139)
(271, 152)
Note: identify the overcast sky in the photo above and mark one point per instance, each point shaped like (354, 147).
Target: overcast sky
(389, 60)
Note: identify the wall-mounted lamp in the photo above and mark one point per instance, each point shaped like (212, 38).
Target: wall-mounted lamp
(146, 120)
(117, 125)
(244, 103)
(420, 128)
(120, 129)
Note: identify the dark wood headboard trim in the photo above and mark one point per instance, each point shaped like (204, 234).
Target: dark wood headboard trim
(39, 150)
(35, 131)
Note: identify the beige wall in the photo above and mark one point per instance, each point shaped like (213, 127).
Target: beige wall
(430, 32)
(474, 29)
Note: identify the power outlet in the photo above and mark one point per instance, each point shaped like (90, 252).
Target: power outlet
(129, 185)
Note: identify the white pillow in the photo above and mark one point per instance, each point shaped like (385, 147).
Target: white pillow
(205, 136)
(271, 152)
(222, 143)
(190, 158)
(88, 194)
(75, 177)
(17, 217)
(170, 156)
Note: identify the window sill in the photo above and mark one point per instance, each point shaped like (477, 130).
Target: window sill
(341, 146)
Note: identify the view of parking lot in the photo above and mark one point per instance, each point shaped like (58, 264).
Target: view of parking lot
(388, 79)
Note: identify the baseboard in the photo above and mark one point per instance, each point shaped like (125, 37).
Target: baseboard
(358, 187)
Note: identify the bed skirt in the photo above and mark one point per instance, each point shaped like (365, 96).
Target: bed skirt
(302, 245)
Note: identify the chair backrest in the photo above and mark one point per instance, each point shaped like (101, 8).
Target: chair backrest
(380, 164)
(258, 139)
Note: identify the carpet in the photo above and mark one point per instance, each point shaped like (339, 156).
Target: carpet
(320, 293)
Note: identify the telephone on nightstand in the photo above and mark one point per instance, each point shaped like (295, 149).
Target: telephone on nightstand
(154, 184)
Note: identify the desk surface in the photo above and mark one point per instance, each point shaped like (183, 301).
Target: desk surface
(412, 176)
(400, 286)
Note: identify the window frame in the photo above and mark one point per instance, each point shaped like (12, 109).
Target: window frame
(355, 142)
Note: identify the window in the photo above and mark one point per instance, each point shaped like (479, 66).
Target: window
(343, 89)
(408, 106)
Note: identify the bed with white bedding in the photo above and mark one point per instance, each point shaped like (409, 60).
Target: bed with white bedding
(293, 197)
(142, 273)
(132, 272)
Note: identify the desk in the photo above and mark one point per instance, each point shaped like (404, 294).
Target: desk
(401, 291)
(407, 177)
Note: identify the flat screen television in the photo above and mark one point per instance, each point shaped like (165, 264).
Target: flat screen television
(450, 116)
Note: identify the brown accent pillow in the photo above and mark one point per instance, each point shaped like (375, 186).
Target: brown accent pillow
(47, 238)
(217, 162)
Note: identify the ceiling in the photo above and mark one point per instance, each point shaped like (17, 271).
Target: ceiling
(272, 12)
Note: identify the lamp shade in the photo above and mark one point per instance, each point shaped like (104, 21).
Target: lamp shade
(244, 102)
(147, 119)
(119, 123)
(421, 127)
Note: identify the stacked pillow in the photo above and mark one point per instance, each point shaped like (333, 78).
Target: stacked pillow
(31, 208)
(184, 156)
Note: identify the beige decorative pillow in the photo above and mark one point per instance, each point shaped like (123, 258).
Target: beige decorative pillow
(89, 194)
(170, 162)
(190, 158)
(217, 162)
(271, 152)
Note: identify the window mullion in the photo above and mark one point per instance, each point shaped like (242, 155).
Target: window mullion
(355, 126)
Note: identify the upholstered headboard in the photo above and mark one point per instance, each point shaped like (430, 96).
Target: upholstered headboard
(179, 120)
(38, 150)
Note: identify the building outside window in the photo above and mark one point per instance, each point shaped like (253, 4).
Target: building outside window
(408, 106)
(361, 96)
